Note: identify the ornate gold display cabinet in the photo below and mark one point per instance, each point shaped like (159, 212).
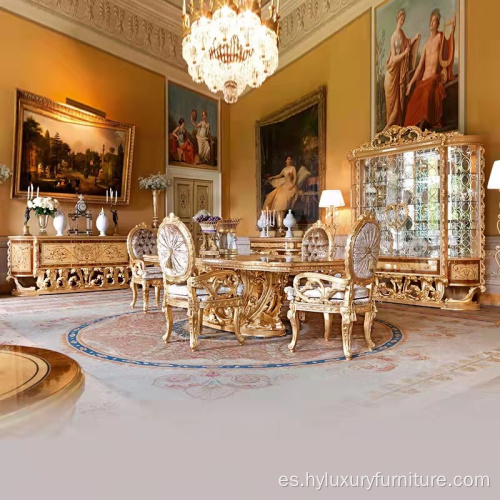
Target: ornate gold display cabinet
(63, 264)
(426, 190)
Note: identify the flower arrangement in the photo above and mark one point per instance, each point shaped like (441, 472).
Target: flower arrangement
(204, 216)
(207, 222)
(4, 173)
(154, 181)
(44, 205)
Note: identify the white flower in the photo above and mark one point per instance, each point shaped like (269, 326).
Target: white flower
(4, 173)
(154, 181)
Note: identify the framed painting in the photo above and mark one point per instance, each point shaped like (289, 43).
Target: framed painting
(418, 72)
(193, 128)
(64, 151)
(291, 158)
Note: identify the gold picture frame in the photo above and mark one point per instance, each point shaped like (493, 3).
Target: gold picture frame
(65, 151)
(307, 148)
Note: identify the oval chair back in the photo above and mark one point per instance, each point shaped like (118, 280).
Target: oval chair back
(318, 243)
(141, 241)
(175, 250)
(362, 250)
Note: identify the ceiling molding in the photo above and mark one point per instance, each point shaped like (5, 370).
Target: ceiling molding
(307, 23)
(134, 29)
(151, 26)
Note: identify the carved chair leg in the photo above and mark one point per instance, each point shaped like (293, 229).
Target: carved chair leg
(193, 328)
(170, 323)
(236, 323)
(133, 287)
(369, 317)
(293, 316)
(328, 325)
(347, 326)
(157, 296)
(302, 316)
(145, 296)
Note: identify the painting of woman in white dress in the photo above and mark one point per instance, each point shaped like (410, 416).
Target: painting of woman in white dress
(199, 117)
(291, 161)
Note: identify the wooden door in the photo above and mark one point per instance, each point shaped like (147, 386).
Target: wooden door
(190, 196)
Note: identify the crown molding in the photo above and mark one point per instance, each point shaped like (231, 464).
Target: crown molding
(148, 32)
(307, 23)
(149, 27)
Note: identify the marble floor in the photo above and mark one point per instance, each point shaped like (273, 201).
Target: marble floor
(427, 397)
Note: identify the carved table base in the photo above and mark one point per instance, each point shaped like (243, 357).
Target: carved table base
(264, 279)
(262, 298)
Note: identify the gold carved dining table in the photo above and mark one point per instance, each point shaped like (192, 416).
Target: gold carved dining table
(264, 278)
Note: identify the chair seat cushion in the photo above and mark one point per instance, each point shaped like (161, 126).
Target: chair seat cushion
(152, 273)
(360, 293)
(201, 294)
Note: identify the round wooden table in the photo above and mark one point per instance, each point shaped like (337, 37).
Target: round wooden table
(38, 387)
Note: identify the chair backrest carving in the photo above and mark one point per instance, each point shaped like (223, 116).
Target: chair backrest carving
(175, 250)
(362, 250)
(141, 241)
(318, 242)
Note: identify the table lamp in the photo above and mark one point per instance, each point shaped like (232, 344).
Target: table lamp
(331, 199)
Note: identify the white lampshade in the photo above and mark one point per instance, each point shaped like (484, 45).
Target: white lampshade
(494, 181)
(331, 198)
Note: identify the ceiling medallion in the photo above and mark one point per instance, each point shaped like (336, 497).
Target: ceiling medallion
(228, 45)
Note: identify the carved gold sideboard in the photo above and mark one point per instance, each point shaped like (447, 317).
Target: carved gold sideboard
(426, 190)
(63, 264)
(276, 245)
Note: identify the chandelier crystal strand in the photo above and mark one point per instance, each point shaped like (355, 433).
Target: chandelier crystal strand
(229, 45)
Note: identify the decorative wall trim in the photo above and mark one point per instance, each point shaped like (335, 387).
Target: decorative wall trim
(492, 268)
(151, 26)
(138, 28)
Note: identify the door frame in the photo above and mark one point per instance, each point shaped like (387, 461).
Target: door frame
(194, 173)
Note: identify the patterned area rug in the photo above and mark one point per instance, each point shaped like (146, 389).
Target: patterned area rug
(421, 355)
(135, 338)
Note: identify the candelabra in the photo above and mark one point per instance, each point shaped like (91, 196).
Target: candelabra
(26, 228)
(112, 203)
(267, 220)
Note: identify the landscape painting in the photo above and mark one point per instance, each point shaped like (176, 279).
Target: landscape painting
(290, 152)
(192, 128)
(418, 67)
(63, 152)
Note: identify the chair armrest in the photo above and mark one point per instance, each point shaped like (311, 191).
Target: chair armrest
(219, 284)
(137, 266)
(325, 285)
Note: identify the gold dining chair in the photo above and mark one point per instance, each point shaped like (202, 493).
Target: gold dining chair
(318, 242)
(142, 241)
(347, 296)
(184, 288)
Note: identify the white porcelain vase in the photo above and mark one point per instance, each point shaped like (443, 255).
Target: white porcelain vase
(102, 223)
(60, 222)
(289, 221)
(261, 223)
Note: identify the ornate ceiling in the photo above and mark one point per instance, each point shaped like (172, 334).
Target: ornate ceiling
(152, 27)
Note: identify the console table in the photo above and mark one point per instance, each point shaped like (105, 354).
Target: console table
(64, 264)
(276, 245)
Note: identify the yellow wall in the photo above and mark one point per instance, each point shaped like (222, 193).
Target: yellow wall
(342, 64)
(39, 60)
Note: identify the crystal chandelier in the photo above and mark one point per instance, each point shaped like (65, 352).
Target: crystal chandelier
(228, 45)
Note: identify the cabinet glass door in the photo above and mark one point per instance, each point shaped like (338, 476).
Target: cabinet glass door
(403, 190)
(463, 202)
